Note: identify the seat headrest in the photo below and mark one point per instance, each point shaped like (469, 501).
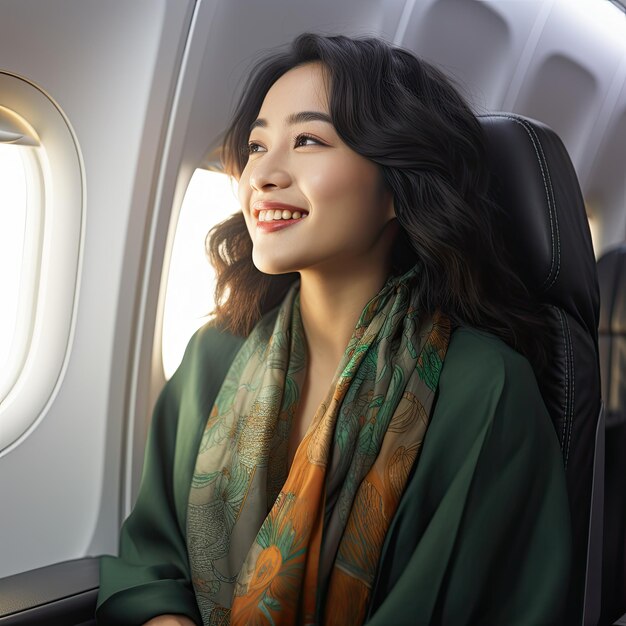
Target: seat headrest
(546, 230)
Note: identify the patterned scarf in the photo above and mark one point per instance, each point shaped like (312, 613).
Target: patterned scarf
(272, 545)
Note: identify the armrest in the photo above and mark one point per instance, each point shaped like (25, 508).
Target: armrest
(62, 594)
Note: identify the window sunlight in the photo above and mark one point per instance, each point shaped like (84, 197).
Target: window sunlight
(13, 197)
(210, 198)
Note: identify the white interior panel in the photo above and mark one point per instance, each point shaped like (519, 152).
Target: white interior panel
(607, 185)
(576, 85)
(99, 62)
(477, 62)
(50, 265)
(572, 68)
(481, 53)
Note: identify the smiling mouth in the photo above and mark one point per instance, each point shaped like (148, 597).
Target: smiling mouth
(273, 216)
(271, 207)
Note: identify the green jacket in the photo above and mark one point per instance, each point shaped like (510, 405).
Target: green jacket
(482, 534)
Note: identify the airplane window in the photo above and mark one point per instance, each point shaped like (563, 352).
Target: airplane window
(12, 225)
(41, 224)
(20, 236)
(210, 198)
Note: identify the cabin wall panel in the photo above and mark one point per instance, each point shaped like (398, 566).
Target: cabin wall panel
(489, 39)
(560, 74)
(570, 74)
(607, 185)
(101, 63)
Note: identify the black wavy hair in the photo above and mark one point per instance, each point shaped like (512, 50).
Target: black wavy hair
(408, 117)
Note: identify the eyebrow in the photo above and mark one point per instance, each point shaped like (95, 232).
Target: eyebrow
(296, 118)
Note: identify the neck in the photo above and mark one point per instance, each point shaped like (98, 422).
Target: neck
(330, 306)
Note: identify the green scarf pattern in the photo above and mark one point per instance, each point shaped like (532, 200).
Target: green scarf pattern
(272, 544)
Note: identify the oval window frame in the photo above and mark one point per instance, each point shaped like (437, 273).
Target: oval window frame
(53, 309)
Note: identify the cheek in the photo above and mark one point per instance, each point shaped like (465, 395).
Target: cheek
(333, 183)
(350, 189)
(319, 185)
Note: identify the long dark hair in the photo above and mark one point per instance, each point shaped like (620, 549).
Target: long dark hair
(407, 116)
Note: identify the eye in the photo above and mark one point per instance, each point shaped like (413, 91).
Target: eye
(251, 147)
(298, 138)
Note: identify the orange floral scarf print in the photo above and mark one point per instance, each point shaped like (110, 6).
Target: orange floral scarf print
(272, 546)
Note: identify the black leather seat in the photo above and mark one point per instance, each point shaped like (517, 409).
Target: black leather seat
(612, 343)
(548, 234)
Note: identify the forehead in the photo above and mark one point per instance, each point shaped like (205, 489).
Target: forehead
(301, 88)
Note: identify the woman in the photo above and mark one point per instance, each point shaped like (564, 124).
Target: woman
(358, 437)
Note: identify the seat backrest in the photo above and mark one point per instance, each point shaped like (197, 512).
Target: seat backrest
(547, 232)
(612, 344)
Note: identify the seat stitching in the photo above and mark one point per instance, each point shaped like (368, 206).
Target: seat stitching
(556, 216)
(563, 445)
(572, 389)
(550, 199)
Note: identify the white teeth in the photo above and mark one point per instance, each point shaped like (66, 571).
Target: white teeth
(276, 214)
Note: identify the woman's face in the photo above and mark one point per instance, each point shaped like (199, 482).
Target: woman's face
(349, 223)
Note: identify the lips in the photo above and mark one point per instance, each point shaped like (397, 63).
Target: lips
(273, 216)
(275, 225)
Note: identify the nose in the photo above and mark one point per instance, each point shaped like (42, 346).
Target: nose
(268, 173)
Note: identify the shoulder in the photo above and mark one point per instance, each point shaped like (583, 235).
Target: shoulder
(209, 352)
(484, 383)
(211, 341)
(468, 343)
(188, 395)
(476, 357)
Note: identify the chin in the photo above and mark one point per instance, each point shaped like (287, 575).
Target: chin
(272, 267)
